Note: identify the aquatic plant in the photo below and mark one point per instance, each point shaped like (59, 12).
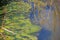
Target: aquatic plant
(17, 25)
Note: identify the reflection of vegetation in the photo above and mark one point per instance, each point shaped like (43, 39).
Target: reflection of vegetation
(17, 22)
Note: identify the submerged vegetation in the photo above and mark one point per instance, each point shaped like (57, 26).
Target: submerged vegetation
(17, 25)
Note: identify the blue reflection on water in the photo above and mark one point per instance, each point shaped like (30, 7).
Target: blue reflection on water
(47, 7)
(32, 11)
(44, 34)
(25, 0)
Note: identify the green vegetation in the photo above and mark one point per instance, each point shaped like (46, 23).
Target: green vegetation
(17, 22)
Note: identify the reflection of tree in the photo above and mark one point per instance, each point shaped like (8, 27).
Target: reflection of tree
(16, 21)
